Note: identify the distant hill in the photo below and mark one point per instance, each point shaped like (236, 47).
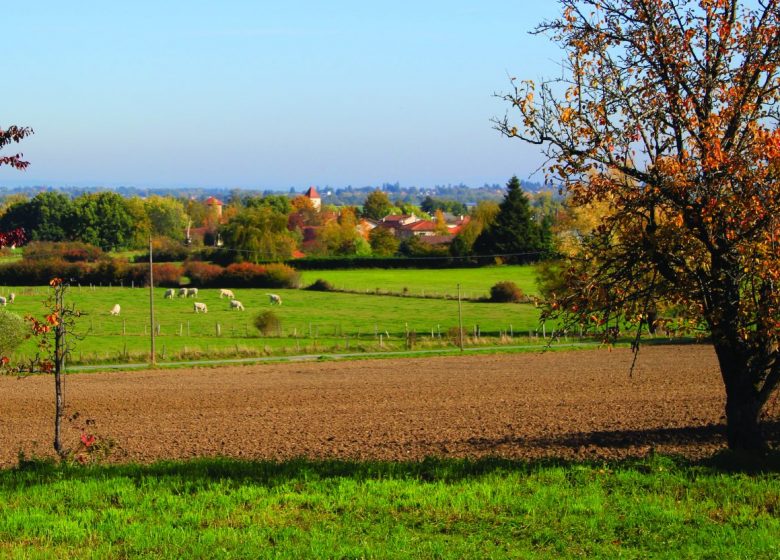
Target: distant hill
(341, 196)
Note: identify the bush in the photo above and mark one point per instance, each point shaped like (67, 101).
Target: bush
(243, 275)
(67, 251)
(280, 276)
(267, 322)
(165, 249)
(165, 274)
(203, 274)
(320, 285)
(13, 331)
(111, 271)
(506, 292)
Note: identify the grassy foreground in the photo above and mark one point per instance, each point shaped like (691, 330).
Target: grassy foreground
(656, 507)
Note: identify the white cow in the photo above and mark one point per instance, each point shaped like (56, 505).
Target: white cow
(182, 292)
(3, 301)
(235, 304)
(226, 293)
(169, 293)
(192, 292)
(274, 299)
(115, 310)
(11, 297)
(200, 307)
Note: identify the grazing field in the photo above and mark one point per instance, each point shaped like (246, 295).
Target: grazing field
(310, 322)
(475, 282)
(551, 456)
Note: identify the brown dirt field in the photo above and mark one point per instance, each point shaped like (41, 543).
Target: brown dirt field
(578, 404)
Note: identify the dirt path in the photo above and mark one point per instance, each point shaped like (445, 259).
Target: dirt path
(568, 404)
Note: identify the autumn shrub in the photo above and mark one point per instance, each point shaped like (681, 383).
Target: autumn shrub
(202, 274)
(244, 275)
(320, 285)
(267, 322)
(506, 292)
(109, 271)
(39, 272)
(165, 274)
(280, 276)
(72, 251)
(165, 249)
(13, 331)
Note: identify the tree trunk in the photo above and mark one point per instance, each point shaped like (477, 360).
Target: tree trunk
(743, 405)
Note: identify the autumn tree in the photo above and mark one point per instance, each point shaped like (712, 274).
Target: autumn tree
(12, 135)
(383, 242)
(668, 109)
(377, 205)
(341, 237)
(259, 234)
(482, 216)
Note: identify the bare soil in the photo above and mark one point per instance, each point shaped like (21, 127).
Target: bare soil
(578, 404)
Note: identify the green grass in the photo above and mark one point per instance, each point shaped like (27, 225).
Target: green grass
(311, 322)
(492, 508)
(475, 282)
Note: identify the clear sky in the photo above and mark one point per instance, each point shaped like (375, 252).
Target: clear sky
(255, 94)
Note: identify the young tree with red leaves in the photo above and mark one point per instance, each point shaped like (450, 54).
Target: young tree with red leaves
(669, 110)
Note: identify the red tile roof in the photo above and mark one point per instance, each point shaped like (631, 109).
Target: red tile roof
(213, 201)
(312, 193)
(422, 225)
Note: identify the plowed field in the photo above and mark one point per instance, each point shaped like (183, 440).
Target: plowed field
(567, 404)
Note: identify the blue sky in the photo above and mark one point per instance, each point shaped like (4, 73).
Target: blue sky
(268, 95)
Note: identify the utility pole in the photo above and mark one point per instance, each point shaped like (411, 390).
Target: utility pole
(59, 362)
(151, 301)
(460, 321)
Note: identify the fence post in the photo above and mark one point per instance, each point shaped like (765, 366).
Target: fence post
(219, 330)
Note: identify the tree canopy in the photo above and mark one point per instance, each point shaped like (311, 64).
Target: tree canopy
(377, 205)
(514, 231)
(668, 111)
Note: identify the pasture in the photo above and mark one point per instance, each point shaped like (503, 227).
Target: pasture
(475, 282)
(310, 322)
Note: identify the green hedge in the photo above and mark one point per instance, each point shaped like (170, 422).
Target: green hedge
(330, 263)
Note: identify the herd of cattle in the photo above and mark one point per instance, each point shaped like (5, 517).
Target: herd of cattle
(6, 300)
(198, 307)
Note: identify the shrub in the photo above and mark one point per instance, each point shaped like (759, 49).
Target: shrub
(13, 332)
(280, 276)
(165, 249)
(506, 292)
(243, 275)
(68, 251)
(111, 271)
(267, 322)
(165, 274)
(320, 285)
(203, 274)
